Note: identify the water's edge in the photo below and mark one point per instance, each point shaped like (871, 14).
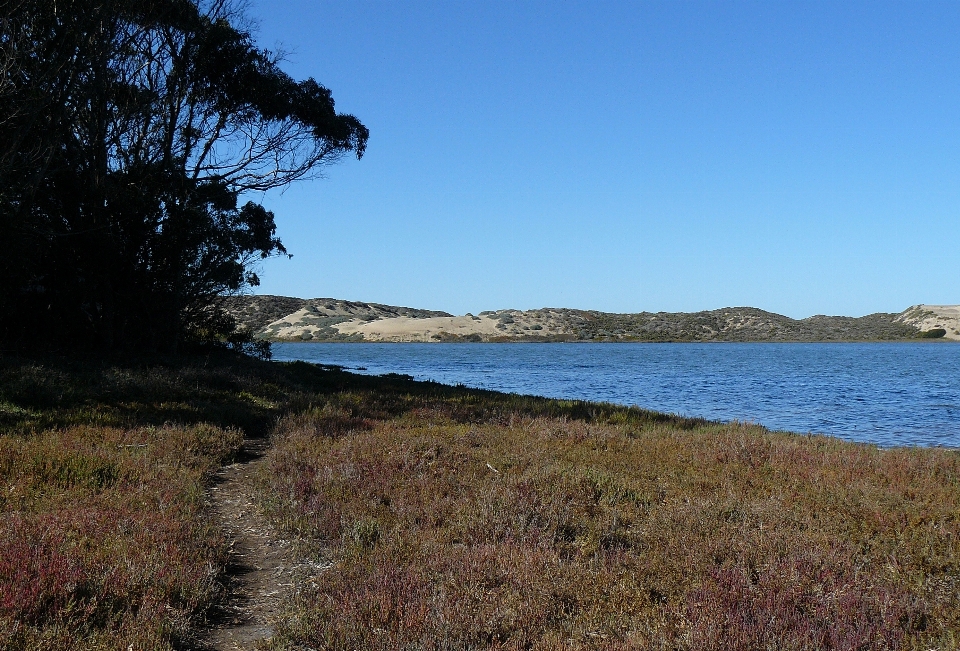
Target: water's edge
(888, 393)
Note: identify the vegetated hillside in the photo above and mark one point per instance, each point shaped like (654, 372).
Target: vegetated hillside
(253, 313)
(289, 319)
(256, 313)
(735, 324)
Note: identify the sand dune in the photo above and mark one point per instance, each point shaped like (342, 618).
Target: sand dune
(430, 329)
(929, 317)
(323, 319)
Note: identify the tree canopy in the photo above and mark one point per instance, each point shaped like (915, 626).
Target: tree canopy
(130, 131)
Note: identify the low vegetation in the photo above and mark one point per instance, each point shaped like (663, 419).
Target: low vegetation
(105, 537)
(471, 521)
(449, 518)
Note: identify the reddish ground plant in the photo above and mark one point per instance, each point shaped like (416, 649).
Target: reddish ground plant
(103, 543)
(801, 601)
(447, 518)
(106, 539)
(479, 523)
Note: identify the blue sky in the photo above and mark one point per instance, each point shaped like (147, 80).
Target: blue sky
(799, 157)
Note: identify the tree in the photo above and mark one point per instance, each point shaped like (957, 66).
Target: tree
(159, 116)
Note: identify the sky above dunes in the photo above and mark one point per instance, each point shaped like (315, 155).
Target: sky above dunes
(799, 157)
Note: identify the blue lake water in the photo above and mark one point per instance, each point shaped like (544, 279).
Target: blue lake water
(886, 393)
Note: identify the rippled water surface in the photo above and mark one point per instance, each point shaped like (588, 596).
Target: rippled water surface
(890, 394)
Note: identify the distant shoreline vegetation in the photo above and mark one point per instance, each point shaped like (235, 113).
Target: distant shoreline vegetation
(587, 342)
(327, 320)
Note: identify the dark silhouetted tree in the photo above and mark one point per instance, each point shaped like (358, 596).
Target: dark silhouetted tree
(129, 132)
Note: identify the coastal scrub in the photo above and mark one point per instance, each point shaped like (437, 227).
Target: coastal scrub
(103, 539)
(438, 517)
(106, 539)
(474, 520)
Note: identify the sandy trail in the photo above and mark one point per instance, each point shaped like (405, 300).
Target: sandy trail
(262, 566)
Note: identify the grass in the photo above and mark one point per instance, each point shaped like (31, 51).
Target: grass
(105, 536)
(477, 521)
(449, 518)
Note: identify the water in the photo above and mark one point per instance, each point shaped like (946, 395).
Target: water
(885, 393)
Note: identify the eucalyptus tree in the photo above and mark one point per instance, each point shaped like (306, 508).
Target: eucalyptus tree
(134, 216)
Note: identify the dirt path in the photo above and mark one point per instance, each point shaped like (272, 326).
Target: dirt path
(262, 568)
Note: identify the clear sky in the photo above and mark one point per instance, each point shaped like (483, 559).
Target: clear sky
(799, 157)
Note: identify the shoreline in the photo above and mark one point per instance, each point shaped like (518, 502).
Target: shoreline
(449, 507)
(921, 341)
(889, 395)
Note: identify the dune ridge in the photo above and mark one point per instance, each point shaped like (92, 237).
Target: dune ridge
(287, 319)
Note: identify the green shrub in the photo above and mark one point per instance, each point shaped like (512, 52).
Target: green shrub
(936, 333)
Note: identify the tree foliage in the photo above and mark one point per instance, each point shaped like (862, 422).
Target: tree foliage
(130, 131)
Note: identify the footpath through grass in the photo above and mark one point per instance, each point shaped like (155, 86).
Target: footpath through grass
(105, 536)
(446, 518)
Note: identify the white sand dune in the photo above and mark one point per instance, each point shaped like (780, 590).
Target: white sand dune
(430, 329)
(930, 317)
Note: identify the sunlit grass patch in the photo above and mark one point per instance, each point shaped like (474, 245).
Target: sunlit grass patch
(103, 539)
(448, 518)
(106, 540)
(490, 521)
